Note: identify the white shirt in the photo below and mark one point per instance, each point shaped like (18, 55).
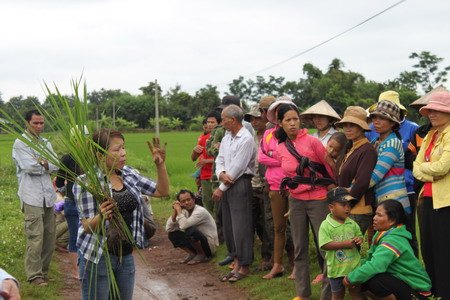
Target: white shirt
(324, 140)
(201, 220)
(35, 184)
(236, 156)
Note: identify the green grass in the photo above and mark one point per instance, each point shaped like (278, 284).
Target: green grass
(179, 166)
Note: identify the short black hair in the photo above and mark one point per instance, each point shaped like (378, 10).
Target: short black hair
(394, 210)
(215, 114)
(205, 120)
(184, 191)
(29, 114)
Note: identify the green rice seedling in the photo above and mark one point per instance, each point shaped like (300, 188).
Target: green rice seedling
(69, 122)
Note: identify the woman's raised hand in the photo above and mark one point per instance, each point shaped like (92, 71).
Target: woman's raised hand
(158, 153)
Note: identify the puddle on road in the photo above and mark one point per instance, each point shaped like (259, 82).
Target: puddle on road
(152, 286)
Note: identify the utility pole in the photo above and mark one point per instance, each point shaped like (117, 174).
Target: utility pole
(96, 114)
(114, 115)
(156, 110)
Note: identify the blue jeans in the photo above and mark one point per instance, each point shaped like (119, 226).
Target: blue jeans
(71, 214)
(95, 283)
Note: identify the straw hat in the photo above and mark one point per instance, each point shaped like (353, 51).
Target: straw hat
(439, 102)
(321, 108)
(387, 109)
(272, 111)
(355, 115)
(266, 101)
(422, 101)
(253, 112)
(392, 96)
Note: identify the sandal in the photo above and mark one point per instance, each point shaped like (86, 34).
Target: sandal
(39, 281)
(237, 277)
(226, 277)
(187, 259)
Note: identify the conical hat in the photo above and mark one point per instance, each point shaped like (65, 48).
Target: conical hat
(425, 98)
(321, 108)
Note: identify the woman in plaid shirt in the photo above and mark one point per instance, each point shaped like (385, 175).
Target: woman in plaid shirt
(126, 186)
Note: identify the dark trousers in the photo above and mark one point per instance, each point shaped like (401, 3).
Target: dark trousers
(259, 224)
(187, 238)
(385, 284)
(435, 241)
(237, 220)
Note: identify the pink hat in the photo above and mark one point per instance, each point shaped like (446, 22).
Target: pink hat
(439, 102)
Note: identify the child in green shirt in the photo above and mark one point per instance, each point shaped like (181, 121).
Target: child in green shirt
(340, 237)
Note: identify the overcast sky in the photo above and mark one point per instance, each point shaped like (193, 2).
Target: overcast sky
(126, 44)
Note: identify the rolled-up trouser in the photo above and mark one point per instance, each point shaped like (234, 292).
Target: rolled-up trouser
(300, 212)
(189, 236)
(280, 207)
(237, 220)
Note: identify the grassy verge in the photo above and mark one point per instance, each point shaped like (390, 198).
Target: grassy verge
(179, 165)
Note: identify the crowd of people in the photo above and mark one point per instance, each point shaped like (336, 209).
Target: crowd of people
(367, 173)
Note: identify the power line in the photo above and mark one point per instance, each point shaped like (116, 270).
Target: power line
(324, 42)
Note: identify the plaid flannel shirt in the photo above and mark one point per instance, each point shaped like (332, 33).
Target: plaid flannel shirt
(91, 245)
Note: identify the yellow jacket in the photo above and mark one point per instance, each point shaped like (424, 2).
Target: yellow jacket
(439, 165)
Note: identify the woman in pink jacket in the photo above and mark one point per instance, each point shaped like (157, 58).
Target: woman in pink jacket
(307, 177)
(267, 156)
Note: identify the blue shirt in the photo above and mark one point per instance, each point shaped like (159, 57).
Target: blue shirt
(407, 131)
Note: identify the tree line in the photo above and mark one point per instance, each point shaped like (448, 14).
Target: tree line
(181, 110)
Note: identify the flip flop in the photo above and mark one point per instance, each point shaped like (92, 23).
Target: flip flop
(226, 277)
(187, 259)
(39, 281)
(198, 260)
(237, 277)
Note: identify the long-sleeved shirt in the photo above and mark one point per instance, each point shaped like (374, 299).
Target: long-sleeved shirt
(35, 184)
(354, 170)
(90, 245)
(311, 148)
(236, 156)
(274, 173)
(438, 165)
(4, 275)
(388, 174)
(201, 220)
(407, 131)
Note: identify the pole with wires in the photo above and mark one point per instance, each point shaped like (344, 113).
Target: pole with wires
(156, 110)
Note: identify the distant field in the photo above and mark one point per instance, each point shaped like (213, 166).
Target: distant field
(179, 146)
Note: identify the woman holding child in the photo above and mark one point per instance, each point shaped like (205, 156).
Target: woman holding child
(126, 187)
(302, 158)
(354, 166)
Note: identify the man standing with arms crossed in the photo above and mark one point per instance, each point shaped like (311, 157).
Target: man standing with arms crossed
(235, 166)
(37, 197)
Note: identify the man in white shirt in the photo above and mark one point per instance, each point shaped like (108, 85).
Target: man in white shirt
(192, 229)
(37, 197)
(235, 166)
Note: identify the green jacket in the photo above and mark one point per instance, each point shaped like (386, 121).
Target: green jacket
(391, 252)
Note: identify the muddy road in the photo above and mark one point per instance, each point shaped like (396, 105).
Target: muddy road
(159, 276)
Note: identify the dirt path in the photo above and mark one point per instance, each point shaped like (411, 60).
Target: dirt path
(161, 277)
